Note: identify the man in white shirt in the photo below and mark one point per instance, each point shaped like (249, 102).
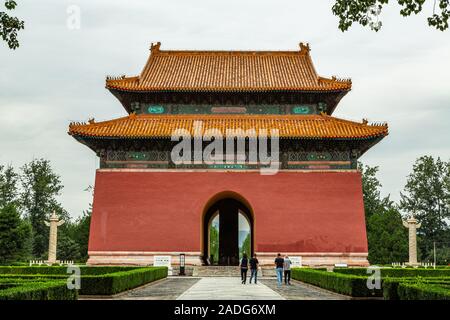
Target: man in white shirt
(287, 270)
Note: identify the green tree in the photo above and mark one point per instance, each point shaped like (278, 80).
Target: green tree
(246, 246)
(81, 235)
(388, 239)
(427, 196)
(8, 186)
(9, 25)
(13, 235)
(40, 187)
(366, 12)
(386, 236)
(214, 242)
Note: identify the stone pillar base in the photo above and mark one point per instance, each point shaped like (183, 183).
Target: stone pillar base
(145, 258)
(139, 258)
(318, 259)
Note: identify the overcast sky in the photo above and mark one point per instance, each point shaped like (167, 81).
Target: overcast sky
(400, 75)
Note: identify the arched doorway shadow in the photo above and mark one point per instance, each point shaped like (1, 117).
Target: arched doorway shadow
(232, 217)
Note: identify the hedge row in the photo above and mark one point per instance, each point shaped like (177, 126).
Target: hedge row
(398, 273)
(101, 284)
(355, 286)
(391, 285)
(53, 270)
(113, 283)
(423, 291)
(35, 290)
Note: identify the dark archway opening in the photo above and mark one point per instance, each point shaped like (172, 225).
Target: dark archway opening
(227, 216)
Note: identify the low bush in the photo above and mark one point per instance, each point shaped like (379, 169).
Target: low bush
(397, 272)
(53, 270)
(94, 280)
(423, 291)
(355, 286)
(36, 290)
(391, 285)
(116, 282)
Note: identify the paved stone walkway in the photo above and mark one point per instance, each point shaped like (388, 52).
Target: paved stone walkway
(301, 291)
(227, 288)
(167, 289)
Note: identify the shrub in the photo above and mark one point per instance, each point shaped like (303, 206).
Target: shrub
(397, 272)
(62, 270)
(423, 291)
(113, 283)
(36, 290)
(94, 280)
(355, 286)
(391, 285)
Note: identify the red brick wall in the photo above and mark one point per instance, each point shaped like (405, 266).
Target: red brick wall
(293, 211)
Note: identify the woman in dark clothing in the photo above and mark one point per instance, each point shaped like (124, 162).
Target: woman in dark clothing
(244, 268)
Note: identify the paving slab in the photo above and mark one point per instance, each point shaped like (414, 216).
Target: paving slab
(301, 291)
(228, 288)
(167, 289)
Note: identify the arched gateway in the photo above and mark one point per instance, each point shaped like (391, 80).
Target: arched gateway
(227, 229)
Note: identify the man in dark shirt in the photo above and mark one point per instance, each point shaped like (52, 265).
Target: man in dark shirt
(253, 268)
(279, 262)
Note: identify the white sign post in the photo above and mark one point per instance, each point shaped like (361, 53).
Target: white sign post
(296, 262)
(163, 261)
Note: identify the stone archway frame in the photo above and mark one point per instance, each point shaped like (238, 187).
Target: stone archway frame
(227, 195)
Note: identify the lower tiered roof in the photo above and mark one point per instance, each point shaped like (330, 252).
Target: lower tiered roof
(289, 126)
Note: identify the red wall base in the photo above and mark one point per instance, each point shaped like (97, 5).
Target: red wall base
(296, 212)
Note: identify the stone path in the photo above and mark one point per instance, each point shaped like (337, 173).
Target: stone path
(301, 291)
(228, 288)
(225, 288)
(167, 289)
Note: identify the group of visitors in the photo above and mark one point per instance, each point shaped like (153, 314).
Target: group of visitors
(282, 265)
(245, 263)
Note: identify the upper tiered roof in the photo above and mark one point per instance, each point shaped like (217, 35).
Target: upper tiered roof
(231, 71)
(289, 126)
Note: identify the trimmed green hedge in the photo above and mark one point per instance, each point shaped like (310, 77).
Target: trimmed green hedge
(423, 291)
(391, 285)
(35, 290)
(355, 286)
(397, 272)
(94, 280)
(113, 283)
(54, 270)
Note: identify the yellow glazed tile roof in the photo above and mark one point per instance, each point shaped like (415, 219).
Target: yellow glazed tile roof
(228, 71)
(289, 126)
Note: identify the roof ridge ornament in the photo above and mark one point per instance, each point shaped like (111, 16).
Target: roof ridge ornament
(304, 48)
(154, 47)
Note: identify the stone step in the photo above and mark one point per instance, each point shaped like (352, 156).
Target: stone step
(228, 271)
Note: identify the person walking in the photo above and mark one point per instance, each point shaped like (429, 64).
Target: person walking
(287, 270)
(254, 263)
(279, 261)
(244, 268)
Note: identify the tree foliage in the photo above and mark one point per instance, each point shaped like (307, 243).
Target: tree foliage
(9, 25)
(427, 196)
(40, 187)
(33, 191)
(386, 236)
(8, 186)
(214, 242)
(366, 12)
(14, 233)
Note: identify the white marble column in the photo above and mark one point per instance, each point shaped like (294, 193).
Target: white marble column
(412, 225)
(54, 223)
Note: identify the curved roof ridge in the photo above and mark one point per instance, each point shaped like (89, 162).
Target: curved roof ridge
(218, 70)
